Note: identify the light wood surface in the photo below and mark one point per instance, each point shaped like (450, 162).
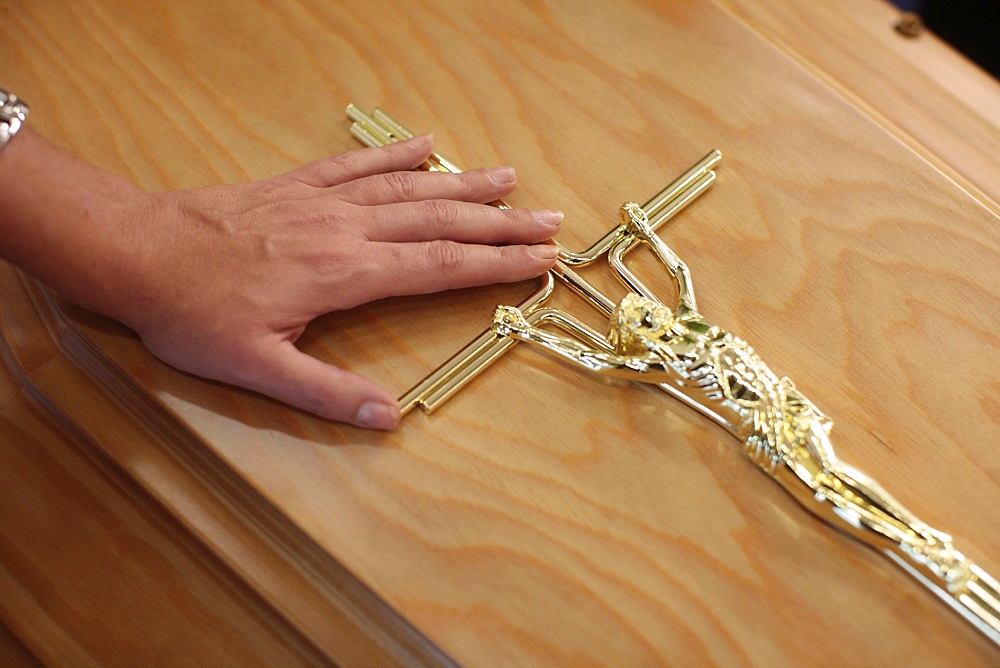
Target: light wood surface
(540, 517)
(928, 94)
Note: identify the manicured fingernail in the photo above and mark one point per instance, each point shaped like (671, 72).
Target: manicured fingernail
(422, 139)
(544, 252)
(502, 175)
(549, 217)
(376, 415)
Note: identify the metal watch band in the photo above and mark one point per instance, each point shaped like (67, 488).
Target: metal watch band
(12, 114)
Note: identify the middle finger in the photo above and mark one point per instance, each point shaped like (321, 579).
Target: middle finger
(478, 185)
(464, 222)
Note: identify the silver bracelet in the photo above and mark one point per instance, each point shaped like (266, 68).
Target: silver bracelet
(12, 114)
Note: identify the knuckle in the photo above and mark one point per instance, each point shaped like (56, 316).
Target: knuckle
(322, 219)
(471, 183)
(508, 256)
(515, 216)
(401, 185)
(515, 262)
(442, 213)
(349, 162)
(273, 187)
(447, 256)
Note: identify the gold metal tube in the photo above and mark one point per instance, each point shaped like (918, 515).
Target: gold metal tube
(462, 367)
(387, 121)
(380, 129)
(577, 284)
(386, 130)
(363, 135)
(369, 124)
(653, 208)
(450, 386)
(489, 355)
(396, 129)
(476, 361)
(617, 252)
(660, 200)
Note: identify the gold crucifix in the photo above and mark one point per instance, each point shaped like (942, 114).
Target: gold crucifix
(675, 348)
(379, 129)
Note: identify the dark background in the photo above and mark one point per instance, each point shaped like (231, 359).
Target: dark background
(971, 26)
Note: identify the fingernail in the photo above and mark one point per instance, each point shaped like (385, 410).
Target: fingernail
(546, 252)
(502, 175)
(376, 415)
(549, 217)
(422, 139)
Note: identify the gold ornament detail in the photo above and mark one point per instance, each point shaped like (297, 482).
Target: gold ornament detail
(712, 371)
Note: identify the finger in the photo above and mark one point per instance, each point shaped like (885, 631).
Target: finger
(365, 162)
(461, 221)
(432, 266)
(478, 185)
(291, 376)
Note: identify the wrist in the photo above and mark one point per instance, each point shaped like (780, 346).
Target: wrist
(13, 113)
(68, 223)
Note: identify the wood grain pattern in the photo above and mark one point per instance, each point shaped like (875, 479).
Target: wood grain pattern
(932, 97)
(197, 581)
(84, 565)
(543, 517)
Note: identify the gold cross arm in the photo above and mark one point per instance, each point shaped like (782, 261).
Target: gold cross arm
(380, 129)
(713, 371)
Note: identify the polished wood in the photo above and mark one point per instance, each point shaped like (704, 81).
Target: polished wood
(928, 94)
(540, 516)
(116, 550)
(13, 652)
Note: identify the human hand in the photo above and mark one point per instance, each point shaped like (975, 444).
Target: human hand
(223, 280)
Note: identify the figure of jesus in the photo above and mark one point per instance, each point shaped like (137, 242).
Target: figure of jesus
(780, 429)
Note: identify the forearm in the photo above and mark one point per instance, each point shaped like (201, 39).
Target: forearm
(67, 222)
(222, 281)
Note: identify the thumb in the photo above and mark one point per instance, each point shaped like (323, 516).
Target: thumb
(298, 379)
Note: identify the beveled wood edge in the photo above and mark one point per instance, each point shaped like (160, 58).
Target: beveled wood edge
(385, 637)
(13, 652)
(952, 172)
(166, 522)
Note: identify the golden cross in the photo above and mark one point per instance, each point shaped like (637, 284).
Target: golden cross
(714, 372)
(380, 129)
